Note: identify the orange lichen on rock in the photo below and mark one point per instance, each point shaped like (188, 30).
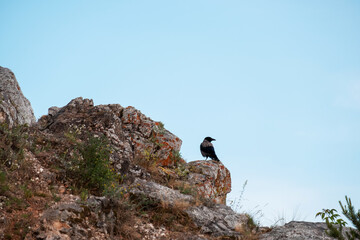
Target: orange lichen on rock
(211, 179)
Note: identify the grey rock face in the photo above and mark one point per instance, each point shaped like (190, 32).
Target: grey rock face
(160, 192)
(217, 220)
(14, 107)
(298, 231)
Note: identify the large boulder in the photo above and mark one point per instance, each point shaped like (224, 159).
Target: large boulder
(131, 133)
(212, 179)
(14, 107)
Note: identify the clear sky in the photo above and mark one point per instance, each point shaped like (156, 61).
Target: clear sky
(276, 83)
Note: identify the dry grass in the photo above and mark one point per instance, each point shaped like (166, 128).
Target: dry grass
(172, 217)
(125, 219)
(181, 205)
(249, 231)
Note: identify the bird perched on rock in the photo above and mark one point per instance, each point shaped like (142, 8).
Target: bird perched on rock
(207, 149)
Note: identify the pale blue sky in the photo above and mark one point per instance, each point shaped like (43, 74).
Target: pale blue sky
(277, 83)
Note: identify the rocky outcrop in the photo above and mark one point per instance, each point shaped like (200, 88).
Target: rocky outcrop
(14, 107)
(134, 136)
(298, 231)
(211, 179)
(130, 132)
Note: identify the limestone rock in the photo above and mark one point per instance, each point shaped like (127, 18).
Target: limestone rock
(296, 230)
(14, 107)
(217, 220)
(212, 179)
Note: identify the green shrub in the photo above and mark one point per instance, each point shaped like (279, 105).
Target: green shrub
(336, 224)
(90, 167)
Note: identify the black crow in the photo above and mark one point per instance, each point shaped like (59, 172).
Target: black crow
(207, 149)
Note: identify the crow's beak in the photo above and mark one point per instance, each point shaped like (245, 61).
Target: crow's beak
(214, 139)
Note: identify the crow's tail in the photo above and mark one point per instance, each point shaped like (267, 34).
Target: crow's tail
(215, 158)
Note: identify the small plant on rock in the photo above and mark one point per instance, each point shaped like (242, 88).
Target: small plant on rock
(177, 159)
(159, 128)
(181, 170)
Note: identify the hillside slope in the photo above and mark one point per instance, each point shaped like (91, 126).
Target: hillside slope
(110, 172)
